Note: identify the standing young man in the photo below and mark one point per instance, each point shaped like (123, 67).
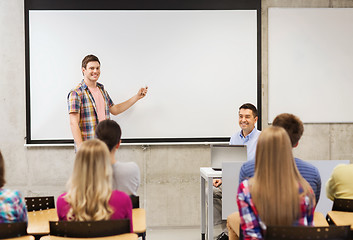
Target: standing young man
(89, 103)
(248, 136)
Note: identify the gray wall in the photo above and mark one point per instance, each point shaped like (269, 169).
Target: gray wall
(170, 189)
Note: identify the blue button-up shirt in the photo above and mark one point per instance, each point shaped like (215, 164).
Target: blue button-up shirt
(250, 141)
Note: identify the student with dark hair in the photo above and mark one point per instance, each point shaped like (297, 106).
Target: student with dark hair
(12, 205)
(89, 103)
(126, 175)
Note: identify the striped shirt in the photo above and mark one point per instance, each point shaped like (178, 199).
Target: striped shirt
(308, 171)
(80, 100)
(250, 221)
(12, 207)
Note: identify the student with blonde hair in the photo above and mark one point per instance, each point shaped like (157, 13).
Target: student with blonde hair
(277, 194)
(90, 196)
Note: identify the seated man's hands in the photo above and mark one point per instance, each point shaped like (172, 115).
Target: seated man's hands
(217, 182)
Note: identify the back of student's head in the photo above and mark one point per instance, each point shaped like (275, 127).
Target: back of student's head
(275, 188)
(90, 183)
(251, 107)
(109, 132)
(2, 171)
(292, 124)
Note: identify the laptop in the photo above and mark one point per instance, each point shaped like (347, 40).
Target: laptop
(227, 153)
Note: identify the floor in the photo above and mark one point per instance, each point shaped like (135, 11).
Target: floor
(174, 234)
(188, 233)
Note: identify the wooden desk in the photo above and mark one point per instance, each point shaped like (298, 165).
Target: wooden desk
(139, 220)
(38, 221)
(320, 220)
(125, 236)
(341, 218)
(27, 237)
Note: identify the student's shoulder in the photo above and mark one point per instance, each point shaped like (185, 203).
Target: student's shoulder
(118, 163)
(116, 194)
(244, 188)
(248, 164)
(79, 88)
(121, 198)
(126, 168)
(132, 165)
(10, 194)
(307, 170)
(343, 168)
(61, 199)
(304, 164)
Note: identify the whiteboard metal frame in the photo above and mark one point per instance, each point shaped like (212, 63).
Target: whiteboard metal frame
(139, 5)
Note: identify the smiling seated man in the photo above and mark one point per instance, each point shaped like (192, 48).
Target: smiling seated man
(248, 136)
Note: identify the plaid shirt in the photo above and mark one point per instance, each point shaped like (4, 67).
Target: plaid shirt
(250, 222)
(12, 207)
(80, 100)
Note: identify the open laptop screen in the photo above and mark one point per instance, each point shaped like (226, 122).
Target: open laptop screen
(227, 153)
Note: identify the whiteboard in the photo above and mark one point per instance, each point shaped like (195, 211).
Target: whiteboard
(199, 65)
(310, 63)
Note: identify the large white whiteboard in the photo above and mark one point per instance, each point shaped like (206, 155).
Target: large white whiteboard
(310, 63)
(200, 66)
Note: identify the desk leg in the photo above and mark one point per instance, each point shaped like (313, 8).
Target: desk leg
(203, 209)
(210, 209)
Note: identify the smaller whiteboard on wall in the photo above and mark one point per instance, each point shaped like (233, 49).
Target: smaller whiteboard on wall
(310, 63)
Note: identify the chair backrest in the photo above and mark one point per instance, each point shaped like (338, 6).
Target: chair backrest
(39, 203)
(307, 233)
(89, 229)
(11, 230)
(241, 235)
(345, 205)
(135, 200)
